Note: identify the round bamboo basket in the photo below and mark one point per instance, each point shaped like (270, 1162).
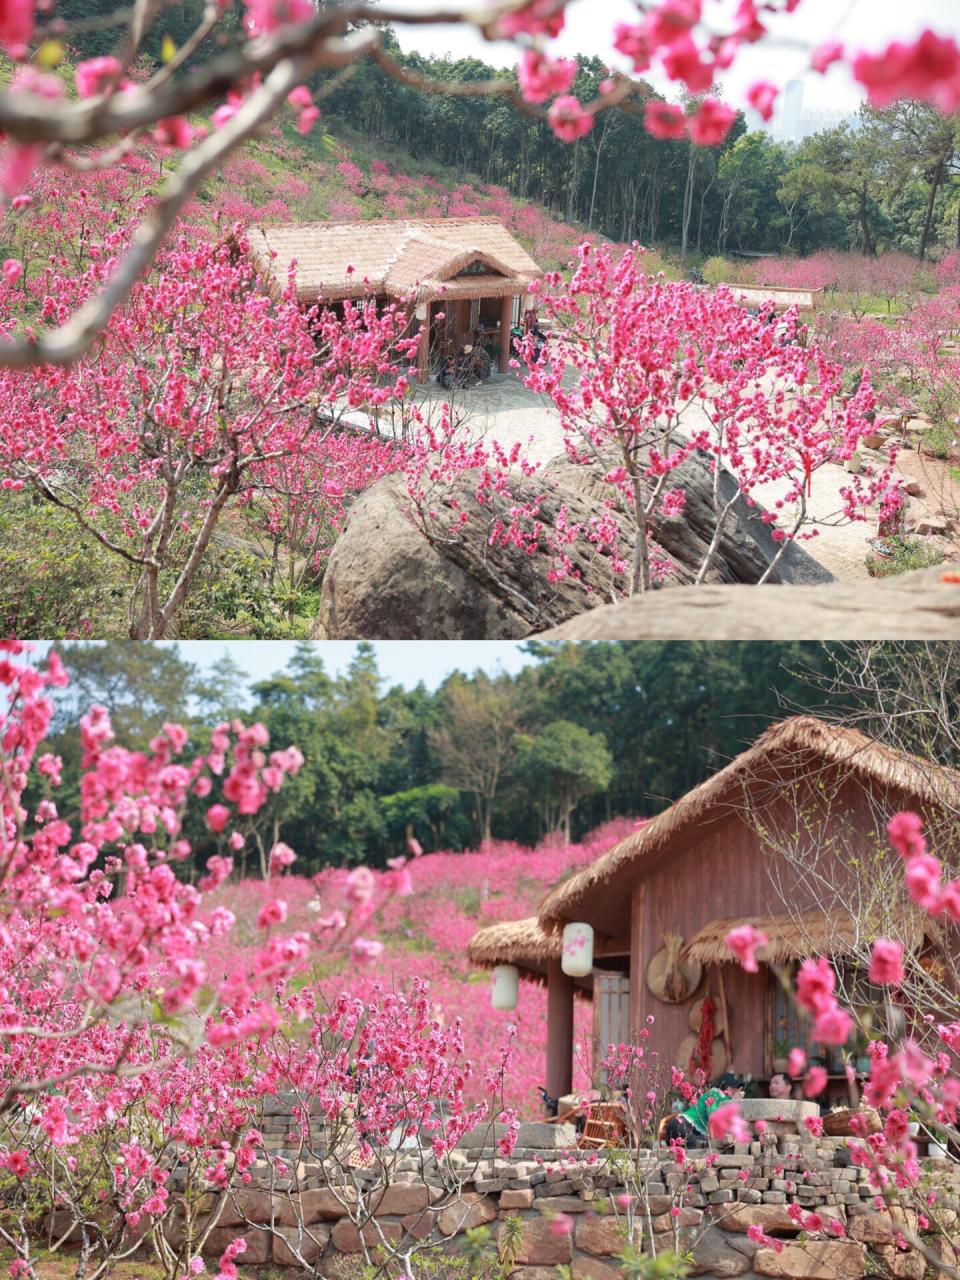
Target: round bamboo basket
(718, 1056)
(671, 977)
(838, 1124)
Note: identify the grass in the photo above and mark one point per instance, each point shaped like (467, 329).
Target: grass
(62, 1266)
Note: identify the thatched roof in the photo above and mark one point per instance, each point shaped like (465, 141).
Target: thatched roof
(400, 258)
(814, 933)
(799, 747)
(518, 942)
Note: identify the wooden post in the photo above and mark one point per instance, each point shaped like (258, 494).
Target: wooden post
(506, 316)
(423, 349)
(725, 1014)
(559, 1031)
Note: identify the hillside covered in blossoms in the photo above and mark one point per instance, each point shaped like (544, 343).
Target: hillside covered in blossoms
(425, 935)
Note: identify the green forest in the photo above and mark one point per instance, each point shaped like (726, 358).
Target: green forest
(584, 733)
(891, 183)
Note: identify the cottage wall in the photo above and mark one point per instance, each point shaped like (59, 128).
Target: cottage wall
(727, 870)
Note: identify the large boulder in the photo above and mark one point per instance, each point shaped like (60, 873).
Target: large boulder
(925, 604)
(386, 579)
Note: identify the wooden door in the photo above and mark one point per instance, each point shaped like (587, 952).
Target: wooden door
(611, 1016)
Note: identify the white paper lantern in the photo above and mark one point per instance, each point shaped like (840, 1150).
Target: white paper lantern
(505, 988)
(576, 959)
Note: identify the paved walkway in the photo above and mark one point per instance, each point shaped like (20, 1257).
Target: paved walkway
(501, 409)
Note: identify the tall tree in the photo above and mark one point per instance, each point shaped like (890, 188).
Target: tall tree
(563, 764)
(845, 164)
(141, 685)
(476, 740)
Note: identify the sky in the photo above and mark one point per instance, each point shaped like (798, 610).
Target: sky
(782, 56)
(403, 662)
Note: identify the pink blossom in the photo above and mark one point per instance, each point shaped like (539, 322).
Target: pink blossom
(633, 41)
(927, 69)
(756, 1233)
(710, 124)
(175, 131)
(568, 119)
(273, 912)
(267, 15)
(541, 77)
(815, 985)
(664, 120)
(922, 879)
(684, 61)
(18, 1162)
(12, 270)
(727, 1122)
(825, 55)
(218, 815)
(832, 1025)
(906, 834)
(281, 855)
(762, 95)
(97, 74)
(674, 504)
(561, 1224)
(815, 1081)
(307, 118)
(796, 1062)
(19, 166)
(886, 962)
(364, 950)
(671, 20)
(742, 941)
(16, 24)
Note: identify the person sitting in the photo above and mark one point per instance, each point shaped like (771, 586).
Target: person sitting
(691, 1127)
(780, 1087)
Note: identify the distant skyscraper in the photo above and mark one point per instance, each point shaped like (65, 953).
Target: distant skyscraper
(792, 111)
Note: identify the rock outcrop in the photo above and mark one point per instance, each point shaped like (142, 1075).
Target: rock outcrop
(387, 580)
(915, 606)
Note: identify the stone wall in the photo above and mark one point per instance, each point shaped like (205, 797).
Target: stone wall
(708, 1213)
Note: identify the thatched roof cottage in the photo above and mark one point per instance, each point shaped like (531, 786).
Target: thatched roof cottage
(789, 836)
(470, 271)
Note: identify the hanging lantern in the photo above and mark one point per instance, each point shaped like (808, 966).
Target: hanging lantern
(505, 987)
(576, 959)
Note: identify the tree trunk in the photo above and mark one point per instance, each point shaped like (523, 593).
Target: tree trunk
(596, 170)
(688, 202)
(931, 202)
(640, 574)
(868, 246)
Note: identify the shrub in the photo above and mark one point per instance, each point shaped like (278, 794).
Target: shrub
(908, 554)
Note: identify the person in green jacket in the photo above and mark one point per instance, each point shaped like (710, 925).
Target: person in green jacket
(691, 1126)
